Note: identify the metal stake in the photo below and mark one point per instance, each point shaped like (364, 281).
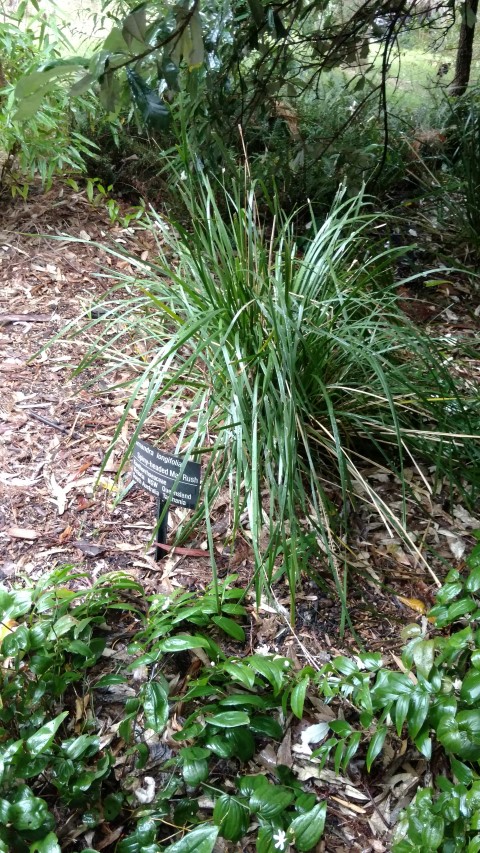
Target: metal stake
(161, 530)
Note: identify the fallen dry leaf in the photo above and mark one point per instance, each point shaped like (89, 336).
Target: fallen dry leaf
(65, 534)
(23, 533)
(89, 548)
(59, 494)
(284, 754)
(83, 504)
(414, 604)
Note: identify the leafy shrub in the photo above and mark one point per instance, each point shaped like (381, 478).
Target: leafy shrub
(435, 702)
(294, 367)
(48, 641)
(35, 141)
(52, 638)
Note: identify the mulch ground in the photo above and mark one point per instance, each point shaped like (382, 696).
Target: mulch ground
(55, 510)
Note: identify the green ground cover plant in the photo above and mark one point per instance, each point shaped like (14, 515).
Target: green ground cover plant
(435, 702)
(51, 644)
(52, 640)
(294, 368)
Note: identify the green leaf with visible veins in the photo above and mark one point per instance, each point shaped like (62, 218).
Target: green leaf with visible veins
(155, 706)
(270, 800)
(229, 719)
(42, 739)
(306, 830)
(200, 840)
(233, 629)
(231, 817)
(297, 699)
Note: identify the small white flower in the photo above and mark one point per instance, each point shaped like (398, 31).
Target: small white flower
(183, 175)
(280, 839)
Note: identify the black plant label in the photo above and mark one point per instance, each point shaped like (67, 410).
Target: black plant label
(158, 472)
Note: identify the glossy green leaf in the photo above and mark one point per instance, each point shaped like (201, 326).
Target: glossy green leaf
(155, 705)
(266, 842)
(371, 660)
(42, 739)
(78, 746)
(460, 608)
(273, 670)
(5, 806)
(338, 756)
(462, 772)
(423, 742)
(306, 830)
(260, 724)
(473, 559)
(228, 719)
(400, 713)
(297, 697)
(78, 647)
(340, 727)
(432, 834)
(241, 742)
(270, 800)
(219, 745)
(194, 753)
(424, 656)
(195, 772)
(233, 629)
(86, 778)
(110, 680)
(247, 785)
(419, 705)
(185, 811)
(344, 665)
(469, 721)
(375, 746)
(49, 844)
(28, 812)
(231, 816)
(470, 690)
(472, 584)
(248, 699)
(199, 840)
(181, 643)
(449, 592)
(112, 805)
(240, 672)
(234, 609)
(352, 748)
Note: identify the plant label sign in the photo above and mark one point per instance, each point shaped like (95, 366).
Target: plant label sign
(158, 473)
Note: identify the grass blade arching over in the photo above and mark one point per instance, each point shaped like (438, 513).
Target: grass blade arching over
(294, 370)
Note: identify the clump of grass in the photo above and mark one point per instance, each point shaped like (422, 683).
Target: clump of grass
(295, 371)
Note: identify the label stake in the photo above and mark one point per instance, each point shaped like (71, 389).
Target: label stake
(162, 530)
(170, 478)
